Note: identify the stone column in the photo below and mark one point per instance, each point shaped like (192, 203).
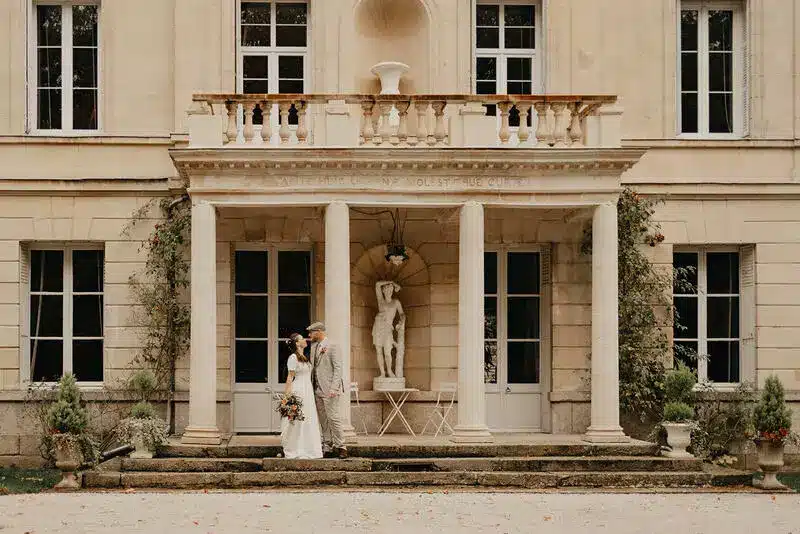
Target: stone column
(471, 427)
(605, 426)
(337, 294)
(202, 428)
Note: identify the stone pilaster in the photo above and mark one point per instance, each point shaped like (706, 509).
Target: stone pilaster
(202, 428)
(471, 425)
(605, 427)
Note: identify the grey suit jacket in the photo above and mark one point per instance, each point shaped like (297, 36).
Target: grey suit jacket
(327, 367)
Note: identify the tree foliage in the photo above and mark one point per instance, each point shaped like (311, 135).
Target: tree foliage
(771, 417)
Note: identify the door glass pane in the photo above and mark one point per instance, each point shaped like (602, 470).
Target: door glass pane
(290, 24)
(490, 273)
(723, 317)
(87, 271)
(87, 316)
(250, 271)
(684, 323)
(490, 362)
(251, 317)
(519, 30)
(523, 318)
(251, 362)
(294, 315)
(487, 22)
(294, 272)
(686, 352)
(87, 360)
(523, 273)
(723, 273)
(84, 25)
(47, 270)
(685, 265)
(255, 23)
(490, 317)
(48, 23)
(47, 359)
(255, 74)
(523, 362)
(723, 361)
(47, 315)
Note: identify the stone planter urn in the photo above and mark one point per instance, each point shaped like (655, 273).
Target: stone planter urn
(679, 436)
(770, 460)
(141, 450)
(68, 459)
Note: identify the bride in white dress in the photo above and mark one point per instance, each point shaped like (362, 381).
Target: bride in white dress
(301, 439)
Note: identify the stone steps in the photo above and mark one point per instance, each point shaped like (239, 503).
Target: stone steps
(426, 450)
(228, 480)
(404, 465)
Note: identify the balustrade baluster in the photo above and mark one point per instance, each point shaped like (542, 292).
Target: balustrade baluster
(233, 131)
(302, 129)
(266, 121)
(422, 121)
(385, 127)
(561, 137)
(505, 131)
(439, 132)
(576, 128)
(249, 131)
(402, 129)
(524, 133)
(283, 131)
(368, 132)
(542, 128)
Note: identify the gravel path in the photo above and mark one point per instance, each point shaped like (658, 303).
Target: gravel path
(401, 512)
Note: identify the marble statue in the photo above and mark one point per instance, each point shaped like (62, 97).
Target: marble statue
(384, 338)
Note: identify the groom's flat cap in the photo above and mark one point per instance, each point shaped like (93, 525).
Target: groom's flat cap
(316, 327)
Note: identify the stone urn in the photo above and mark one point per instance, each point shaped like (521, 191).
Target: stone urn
(390, 73)
(679, 436)
(141, 450)
(68, 458)
(770, 460)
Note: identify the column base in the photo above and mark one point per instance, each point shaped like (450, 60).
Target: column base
(201, 436)
(471, 434)
(612, 435)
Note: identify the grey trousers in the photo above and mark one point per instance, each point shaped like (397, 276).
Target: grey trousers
(330, 421)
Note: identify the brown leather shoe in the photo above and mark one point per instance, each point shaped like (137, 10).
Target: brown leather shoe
(329, 454)
(342, 453)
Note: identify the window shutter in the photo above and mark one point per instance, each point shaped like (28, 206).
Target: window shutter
(747, 312)
(24, 315)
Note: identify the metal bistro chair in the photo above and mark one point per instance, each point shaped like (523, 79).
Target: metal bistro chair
(354, 392)
(438, 416)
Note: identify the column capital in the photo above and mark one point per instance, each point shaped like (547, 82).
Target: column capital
(472, 204)
(337, 204)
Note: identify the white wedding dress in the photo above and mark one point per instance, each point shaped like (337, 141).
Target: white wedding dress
(302, 439)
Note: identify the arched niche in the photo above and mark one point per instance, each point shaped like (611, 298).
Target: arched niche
(387, 30)
(414, 279)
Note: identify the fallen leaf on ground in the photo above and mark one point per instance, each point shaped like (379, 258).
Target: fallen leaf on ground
(129, 490)
(267, 506)
(548, 517)
(196, 522)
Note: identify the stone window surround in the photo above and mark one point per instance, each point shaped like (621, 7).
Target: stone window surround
(24, 320)
(32, 115)
(740, 69)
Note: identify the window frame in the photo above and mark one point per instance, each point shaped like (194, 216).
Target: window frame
(273, 294)
(503, 54)
(502, 340)
(702, 316)
(739, 66)
(32, 81)
(26, 372)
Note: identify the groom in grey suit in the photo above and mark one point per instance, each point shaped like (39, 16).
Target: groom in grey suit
(326, 377)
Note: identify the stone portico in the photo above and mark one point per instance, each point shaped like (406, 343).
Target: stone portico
(458, 204)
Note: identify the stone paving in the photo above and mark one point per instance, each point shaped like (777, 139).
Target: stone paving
(409, 512)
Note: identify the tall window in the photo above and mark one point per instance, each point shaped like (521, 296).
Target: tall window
(66, 313)
(506, 43)
(711, 60)
(512, 317)
(706, 300)
(65, 64)
(273, 48)
(272, 300)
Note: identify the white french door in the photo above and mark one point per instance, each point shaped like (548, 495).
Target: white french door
(272, 298)
(515, 310)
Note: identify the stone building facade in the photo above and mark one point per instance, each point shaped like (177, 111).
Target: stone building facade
(112, 103)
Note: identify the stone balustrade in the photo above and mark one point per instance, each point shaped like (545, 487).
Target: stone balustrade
(347, 120)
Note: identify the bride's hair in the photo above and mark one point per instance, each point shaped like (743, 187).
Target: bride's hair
(292, 342)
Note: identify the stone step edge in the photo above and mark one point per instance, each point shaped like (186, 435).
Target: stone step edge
(509, 463)
(225, 480)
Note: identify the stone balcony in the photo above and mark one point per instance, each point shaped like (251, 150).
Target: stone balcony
(544, 122)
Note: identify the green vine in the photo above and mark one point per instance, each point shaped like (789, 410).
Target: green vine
(644, 309)
(160, 290)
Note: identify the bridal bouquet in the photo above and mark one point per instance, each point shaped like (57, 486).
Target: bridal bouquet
(291, 407)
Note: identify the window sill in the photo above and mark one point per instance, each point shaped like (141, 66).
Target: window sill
(89, 138)
(709, 142)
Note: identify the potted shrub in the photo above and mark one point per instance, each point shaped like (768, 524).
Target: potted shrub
(67, 439)
(678, 411)
(143, 428)
(772, 421)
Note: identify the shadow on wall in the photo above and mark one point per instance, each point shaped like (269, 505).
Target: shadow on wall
(390, 30)
(415, 295)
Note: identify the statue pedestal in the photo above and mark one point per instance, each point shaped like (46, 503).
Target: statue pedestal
(388, 384)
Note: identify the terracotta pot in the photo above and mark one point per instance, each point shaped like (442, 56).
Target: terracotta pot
(141, 451)
(770, 460)
(679, 436)
(68, 459)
